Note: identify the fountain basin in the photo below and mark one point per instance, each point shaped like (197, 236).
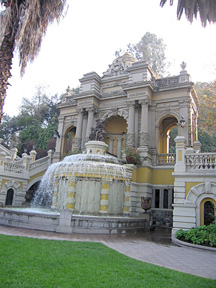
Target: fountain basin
(50, 221)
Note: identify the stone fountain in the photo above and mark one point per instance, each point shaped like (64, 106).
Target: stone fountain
(85, 193)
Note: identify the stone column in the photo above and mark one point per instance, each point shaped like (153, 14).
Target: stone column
(59, 141)
(144, 123)
(119, 147)
(78, 137)
(131, 125)
(111, 145)
(90, 122)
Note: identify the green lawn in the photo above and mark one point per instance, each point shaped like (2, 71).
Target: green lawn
(26, 262)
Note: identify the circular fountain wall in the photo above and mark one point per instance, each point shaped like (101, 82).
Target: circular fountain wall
(90, 191)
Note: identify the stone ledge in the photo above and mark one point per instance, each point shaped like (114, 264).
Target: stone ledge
(180, 243)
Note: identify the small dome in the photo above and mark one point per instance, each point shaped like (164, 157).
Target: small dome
(126, 59)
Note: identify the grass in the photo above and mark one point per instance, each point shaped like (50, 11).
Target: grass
(26, 262)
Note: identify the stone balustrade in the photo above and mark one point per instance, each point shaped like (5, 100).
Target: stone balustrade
(38, 163)
(166, 159)
(13, 167)
(201, 161)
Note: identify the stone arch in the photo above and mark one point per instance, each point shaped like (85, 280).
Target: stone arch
(120, 112)
(68, 139)
(165, 122)
(115, 127)
(198, 194)
(15, 186)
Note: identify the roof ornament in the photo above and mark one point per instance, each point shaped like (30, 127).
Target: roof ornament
(183, 65)
(119, 65)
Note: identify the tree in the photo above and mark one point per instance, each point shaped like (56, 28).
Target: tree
(34, 126)
(151, 49)
(207, 107)
(205, 8)
(207, 140)
(23, 25)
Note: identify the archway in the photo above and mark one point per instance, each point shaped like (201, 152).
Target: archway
(116, 129)
(9, 197)
(166, 125)
(31, 192)
(68, 139)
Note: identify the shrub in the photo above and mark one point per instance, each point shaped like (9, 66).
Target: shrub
(203, 235)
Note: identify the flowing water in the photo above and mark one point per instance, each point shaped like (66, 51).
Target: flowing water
(87, 171)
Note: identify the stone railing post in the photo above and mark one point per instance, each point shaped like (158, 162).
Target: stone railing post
(33, 154)
(180, 165)
(50, 155)
(197, 146)
(14, 153)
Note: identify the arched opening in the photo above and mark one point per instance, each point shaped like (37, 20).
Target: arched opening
(31, 192)
(116, 129)
(208, 212)
(172, 134)
(9, 197)
(166, 127)
(68, 140)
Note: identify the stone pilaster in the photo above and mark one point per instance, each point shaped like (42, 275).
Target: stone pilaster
(104, 197)
(144, 136)
(78, 137)
(127, 197)
(131, 124)
(90, 122)
(70, 202)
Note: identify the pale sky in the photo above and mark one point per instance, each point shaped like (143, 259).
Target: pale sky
(87, 38)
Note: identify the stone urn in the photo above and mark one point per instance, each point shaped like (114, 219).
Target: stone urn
(131, 160)
(146, 203)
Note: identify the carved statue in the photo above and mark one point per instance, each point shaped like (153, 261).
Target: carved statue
(97, 132)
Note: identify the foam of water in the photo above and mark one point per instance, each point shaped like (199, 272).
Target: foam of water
(107, 166)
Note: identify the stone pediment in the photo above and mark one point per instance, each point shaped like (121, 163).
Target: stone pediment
(120, 65)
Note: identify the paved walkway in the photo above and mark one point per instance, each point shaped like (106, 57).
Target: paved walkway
(188, 260)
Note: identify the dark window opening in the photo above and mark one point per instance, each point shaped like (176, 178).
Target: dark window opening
(209, 213)
(9, 197)
(165, 199)
(157, 198)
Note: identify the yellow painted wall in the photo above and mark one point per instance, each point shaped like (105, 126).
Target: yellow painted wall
(153, 176)
(116, 125)
(189, 185)
(6, 180)
(36, 176)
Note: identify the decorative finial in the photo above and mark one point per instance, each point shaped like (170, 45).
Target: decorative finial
(183, 65)
(68, 90)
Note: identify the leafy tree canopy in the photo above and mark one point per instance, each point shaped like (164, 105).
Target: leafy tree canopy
(207, 107)
(34, 126)
(151, 49)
